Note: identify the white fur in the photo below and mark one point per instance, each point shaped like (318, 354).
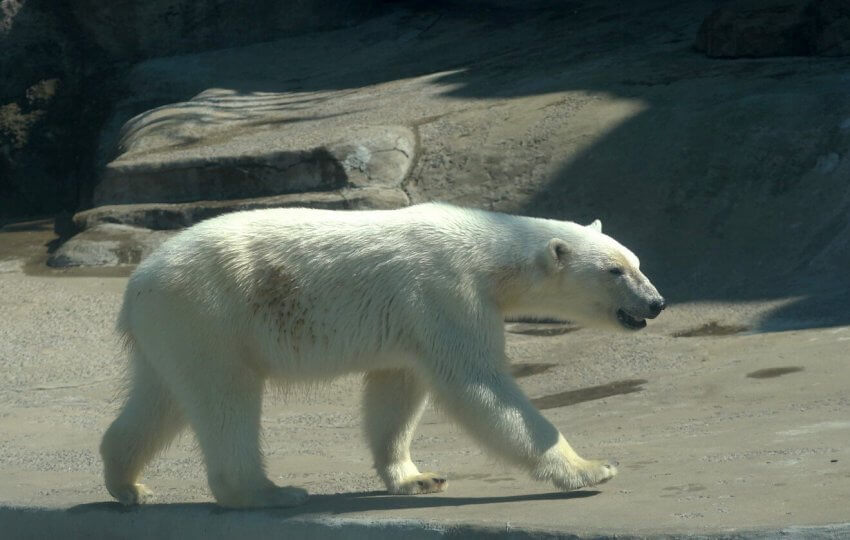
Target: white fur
(413, 297)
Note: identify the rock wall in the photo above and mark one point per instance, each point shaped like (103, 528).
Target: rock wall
(132, 29)
(54, 93)
(762, 28)
(62, 64)
(729, 178)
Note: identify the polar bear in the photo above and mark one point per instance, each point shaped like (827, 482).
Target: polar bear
(415, 298)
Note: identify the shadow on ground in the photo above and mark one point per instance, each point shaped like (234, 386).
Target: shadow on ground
(338, 504)
(315, 519)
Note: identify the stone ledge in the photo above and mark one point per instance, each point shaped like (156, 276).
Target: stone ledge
(159, 216)
(170, 155)
(122, 235)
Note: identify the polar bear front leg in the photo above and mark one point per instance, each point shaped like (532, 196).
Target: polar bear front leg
(393, 402)
(489, 404)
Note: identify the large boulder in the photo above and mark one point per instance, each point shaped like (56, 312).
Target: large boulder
(221, 145)
(108, 245)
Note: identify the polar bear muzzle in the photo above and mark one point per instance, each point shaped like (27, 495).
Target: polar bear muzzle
(630, 322)
(635, 323)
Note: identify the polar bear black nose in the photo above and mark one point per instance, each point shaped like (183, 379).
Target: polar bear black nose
(656, 307)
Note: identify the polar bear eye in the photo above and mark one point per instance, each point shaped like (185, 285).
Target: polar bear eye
(616, 271)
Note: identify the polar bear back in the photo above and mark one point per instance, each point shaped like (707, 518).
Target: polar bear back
(415, 245)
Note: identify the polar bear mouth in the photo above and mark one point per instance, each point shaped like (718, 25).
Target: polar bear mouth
(630, 322)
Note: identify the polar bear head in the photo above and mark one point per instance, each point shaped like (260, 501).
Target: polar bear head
(590, 278)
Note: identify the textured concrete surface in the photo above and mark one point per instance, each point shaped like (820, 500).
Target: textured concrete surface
(720, 429)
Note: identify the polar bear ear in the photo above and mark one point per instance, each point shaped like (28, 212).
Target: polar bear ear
(558, 253)
(596, 225)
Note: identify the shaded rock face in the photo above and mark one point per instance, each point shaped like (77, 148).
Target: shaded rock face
(143, 29)
(221, 178)
(764, 28)
(46, 129)
(832, 27)
(81, 48)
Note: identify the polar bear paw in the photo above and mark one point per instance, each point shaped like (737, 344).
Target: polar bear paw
(133, 494)
(427, 482)
(600, 471)
(569, 476)
(592, 473)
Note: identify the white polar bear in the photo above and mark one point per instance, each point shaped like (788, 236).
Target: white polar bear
(415, 298)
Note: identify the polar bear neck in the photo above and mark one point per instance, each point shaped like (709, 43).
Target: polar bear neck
(499, 253)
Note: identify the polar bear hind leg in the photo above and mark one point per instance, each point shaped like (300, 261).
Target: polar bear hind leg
(223, 407)
(146, 425)
(393, 402)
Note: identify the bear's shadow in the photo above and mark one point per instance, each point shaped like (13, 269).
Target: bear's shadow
(336, 504)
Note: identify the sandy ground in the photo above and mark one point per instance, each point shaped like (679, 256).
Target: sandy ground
(717, 427)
